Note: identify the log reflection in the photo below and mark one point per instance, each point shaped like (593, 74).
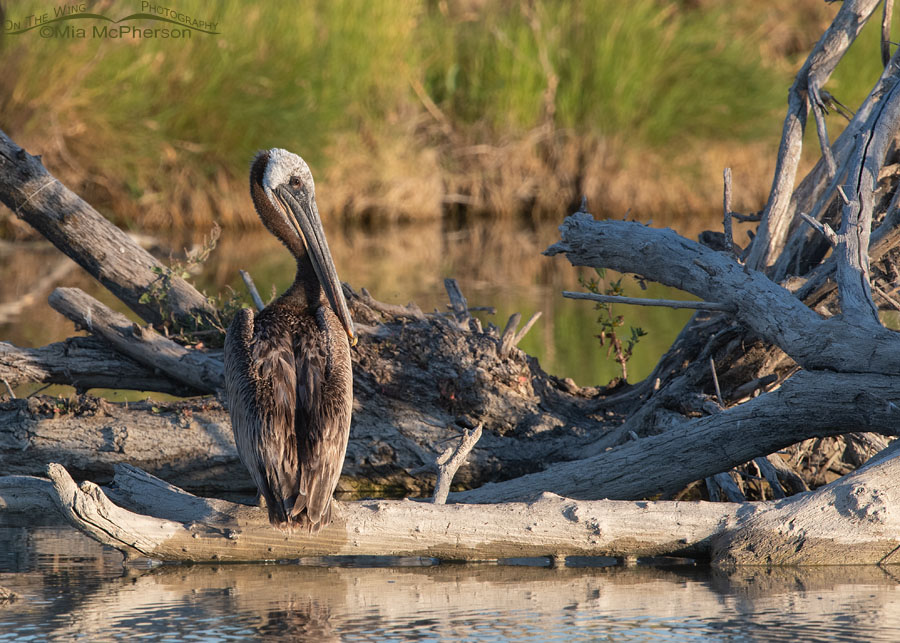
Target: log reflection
(293, 602)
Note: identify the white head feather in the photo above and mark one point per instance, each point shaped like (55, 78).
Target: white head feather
(282, 166)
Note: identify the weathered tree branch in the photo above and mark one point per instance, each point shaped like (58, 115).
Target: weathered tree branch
(173, 525)
(815, 72)
(852, 250)
(85, 363)
(99, 247)
(818, 189)
(761, 305)
(199, 370)
(642, 301)
(449, 462)
(809, 404)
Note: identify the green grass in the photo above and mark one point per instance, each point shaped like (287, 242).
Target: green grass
(329, 78)
(645, 69)
(287, 74)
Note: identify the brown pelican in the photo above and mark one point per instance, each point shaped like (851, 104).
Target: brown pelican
(288, 377)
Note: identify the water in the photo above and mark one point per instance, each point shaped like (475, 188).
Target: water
(72, 588)
(498, 263)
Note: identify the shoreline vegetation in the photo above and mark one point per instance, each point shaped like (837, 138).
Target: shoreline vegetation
(419, 110)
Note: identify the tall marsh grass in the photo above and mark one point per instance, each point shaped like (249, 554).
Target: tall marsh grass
(407, 108)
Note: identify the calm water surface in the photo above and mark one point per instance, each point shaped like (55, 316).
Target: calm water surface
(498, 263)
(72, 588)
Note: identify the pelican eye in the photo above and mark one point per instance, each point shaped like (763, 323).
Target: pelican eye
(295, 182)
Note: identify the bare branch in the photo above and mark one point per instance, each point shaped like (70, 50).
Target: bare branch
(520, 335)
(643, 301)
(822, 228)
(410, 311)
(852, 251)
(715, 376)
(771, 311)
(251, 287)
(194, 368)
(886, 16)
(771, 475)
(694, 449)
(449, 462)
(726, 208)
(102, 249)
(844, 197)
(457, 303)
(815, 72)
(507, 339)
(85, 363)
(818, 107)
(893, 302)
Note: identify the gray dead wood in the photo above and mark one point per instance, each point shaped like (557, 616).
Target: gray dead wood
(98, 246)
(410, 311)
(449, 462)
(642, 301)
(457, 302)
(416, 382)
(722, 487)
(815, 72)
(85, 363)
(190, 444)
(852, 250)
(726, 210)
(166, 523)
(769, 310)
(811, 403)
(770, 473)
(855, 520)
(852, 521)
(817, 191)
(789, 478)
(886, 16)
(199, 370)
(508, 336)
(251, 288)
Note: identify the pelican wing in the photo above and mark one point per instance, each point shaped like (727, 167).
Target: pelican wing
(261, 389)
(322, 422)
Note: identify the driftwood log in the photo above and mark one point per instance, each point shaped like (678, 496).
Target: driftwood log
(855, 520)
(793, 354)
(78, 230)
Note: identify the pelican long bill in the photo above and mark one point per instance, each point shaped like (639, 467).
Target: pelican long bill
(304, 217)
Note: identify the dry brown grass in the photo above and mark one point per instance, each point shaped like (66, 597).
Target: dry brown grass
(389, 177)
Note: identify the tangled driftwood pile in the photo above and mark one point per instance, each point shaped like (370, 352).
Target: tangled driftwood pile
(792, 358)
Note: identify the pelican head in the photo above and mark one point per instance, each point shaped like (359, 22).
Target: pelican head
(288, 187)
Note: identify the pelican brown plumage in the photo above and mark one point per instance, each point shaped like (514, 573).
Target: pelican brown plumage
(288, 376)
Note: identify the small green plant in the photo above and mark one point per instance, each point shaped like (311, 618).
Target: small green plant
(210, 333)
(609, 323)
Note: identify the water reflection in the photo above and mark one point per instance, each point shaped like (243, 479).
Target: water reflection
(98, 601)
(497, 264)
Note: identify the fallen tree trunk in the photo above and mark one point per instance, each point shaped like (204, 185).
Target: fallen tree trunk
(853, 521)
(84, 363)
(98, 246)
(809, 404)
(199, 370)
(768, 309)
